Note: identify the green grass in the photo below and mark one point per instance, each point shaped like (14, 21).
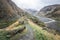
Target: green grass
(4, 24)
(4, 34)
(17, 36)
(37, 21)
(39, 33)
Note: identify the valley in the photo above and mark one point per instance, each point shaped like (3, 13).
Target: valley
(28, 24)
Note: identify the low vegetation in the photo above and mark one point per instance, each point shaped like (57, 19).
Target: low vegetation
(14, 31)
(12, 28)
(5, 23)
(37, 21)
(41, 34)
(18, 35)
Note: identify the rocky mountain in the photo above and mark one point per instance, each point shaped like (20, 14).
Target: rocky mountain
(9, 12)
(51, 11)
(31, 11)
(17, 24)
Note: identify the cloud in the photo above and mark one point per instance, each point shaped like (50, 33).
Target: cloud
(35, 4)
(29, 3)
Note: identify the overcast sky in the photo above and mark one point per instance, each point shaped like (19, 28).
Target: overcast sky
(35, 4)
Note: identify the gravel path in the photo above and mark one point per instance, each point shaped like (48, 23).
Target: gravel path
(29, 35)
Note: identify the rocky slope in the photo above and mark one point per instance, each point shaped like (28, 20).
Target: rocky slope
(9, 20)
(9, 12)
(52, 11)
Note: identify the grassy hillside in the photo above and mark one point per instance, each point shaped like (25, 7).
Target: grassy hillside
(12, 34)
(13, 22)
(10, 26)
(41, 34)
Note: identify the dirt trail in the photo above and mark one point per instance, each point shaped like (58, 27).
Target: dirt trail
(29, 35)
